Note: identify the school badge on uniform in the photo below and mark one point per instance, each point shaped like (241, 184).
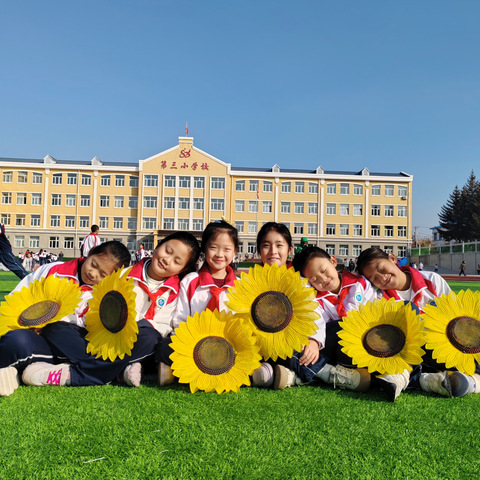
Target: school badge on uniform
(161, 301)
(358, 297)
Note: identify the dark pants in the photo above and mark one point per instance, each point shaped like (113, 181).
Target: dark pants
(13, 264)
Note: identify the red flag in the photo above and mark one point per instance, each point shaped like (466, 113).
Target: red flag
(186, 129)
(257, 193)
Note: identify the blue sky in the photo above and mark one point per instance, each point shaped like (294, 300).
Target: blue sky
(388, 85)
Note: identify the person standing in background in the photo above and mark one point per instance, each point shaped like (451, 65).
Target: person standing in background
(90, 241)
(8, 258)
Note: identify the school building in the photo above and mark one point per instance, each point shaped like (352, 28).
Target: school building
(51, 204)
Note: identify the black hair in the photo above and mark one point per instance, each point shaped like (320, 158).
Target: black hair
(213, 229)
(94, 228)
(301, 259)
(190, 241)
(366, 256)
(277, 227)
(114, 248)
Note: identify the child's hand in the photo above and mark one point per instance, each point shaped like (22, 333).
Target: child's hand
(311, 353)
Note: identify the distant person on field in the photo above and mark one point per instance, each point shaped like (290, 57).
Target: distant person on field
(90, 241)
(141, 253)
(478, 269)
(435, 269)
(463, 267)
(8, 258)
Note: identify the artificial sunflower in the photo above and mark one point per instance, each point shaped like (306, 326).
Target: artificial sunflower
(384, 335)
(44, 301)
(111, 318)
(453, 330)
(279, 307)
(214, 351)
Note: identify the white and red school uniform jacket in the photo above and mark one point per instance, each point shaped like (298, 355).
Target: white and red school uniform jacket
(70, 270)
(424, 288)
(195, 293)
(157, 307)
(90, 241)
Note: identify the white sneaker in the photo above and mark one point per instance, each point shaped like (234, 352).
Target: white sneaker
(464, 384)
(165, 375)
(395, 384)
(437, 383)
(9, 381)
(284, 377)
(40, 374)
(357, 379)
(262, 377)
(132, 375)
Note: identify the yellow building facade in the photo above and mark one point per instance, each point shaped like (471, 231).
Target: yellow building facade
(51, 204)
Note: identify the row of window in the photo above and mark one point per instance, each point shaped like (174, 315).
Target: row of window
(357, 230)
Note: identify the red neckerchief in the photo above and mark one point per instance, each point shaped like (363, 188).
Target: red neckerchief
(419, 283)
(71, 269)
(206, 280)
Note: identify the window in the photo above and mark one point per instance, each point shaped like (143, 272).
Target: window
(54, 220)
(357, 209)
(312, 188)
(357, 230)
(86, 180)
(68, 242)
(388, 210)
(402, 191)
(84, 200)
(312, 229)
(344, 229)
(70, 201)
(150, 223)
(104, 201)
(169, 181)
(197, 224)
(375, 230)
(56, 199)
(389, 190)
(105, 180)
(133, 202)
(71, 178)
(251, 247)
(331, 188)
(217, 204)
(331, 209)
(35, 220)
(22, 177)
(358, 189)
(389, 231)
(343, 250)
(69, 221)
(312, 208)
(34, 242)
(298, 228)
(376, 190)
(285, 207)
(252, 227)
(218, 183)
(57, 179)
(299, 208)
(402, 211)
(150, 181)
(149, 202)
(299, 187)
(198, 182)
(184, 182)
(133, 181)
(84, 222)
(253, 206)
(53, 242)
(37, 177)
(21, 198)
(5, 219)
(103, 222)
(239, 206)
(168, 223)
(344, 209)
(7, 177)
(240, 186)
(36, 198)
(375, 210)
(267, 207)
(183, 224)
(132, 223)
(388, 249)
(402, 251)
(239, 227)
(198, 203)
(267, 186)
(286, 187)
(184, 203)
(344, 188)
(119, 180)
(253, 187)
(169, 203)
(117, 223)
(6, 198)
(330, 229)
(356, 250)
(19, 241)
(330, 249)
(402, 231)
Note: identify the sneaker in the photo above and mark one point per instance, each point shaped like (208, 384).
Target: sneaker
(284, 377)
(356, 379)
(132, 375)
(165, 375)
(262, 377)
(9, 381)
(40, 374)
(437, 383)
(395, 384)
(464, 384)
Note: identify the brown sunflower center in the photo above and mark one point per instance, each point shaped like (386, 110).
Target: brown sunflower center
(384, 340)
(272, 311)
(214, 355)
(464, 334)
(38, 313)
(113, 311)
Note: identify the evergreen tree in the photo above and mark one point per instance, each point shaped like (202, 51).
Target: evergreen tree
(449, 214)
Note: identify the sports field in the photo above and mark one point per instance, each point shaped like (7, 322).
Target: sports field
(114, 432)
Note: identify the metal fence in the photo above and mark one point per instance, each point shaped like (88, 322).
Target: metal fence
(451, 248)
